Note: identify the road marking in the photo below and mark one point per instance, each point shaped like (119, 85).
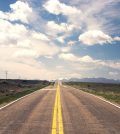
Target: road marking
(105, 100)
(57, 124)
(17, 100)
(100, 98)
(60, 120)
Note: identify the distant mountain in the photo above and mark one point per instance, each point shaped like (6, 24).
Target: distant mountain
(94, 80)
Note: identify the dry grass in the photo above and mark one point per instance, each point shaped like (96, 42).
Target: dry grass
(110, 92)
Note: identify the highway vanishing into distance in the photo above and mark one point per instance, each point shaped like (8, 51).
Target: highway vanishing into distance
(60, 110)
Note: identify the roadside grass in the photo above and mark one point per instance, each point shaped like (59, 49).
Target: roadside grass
(110, 92)
(12, 97)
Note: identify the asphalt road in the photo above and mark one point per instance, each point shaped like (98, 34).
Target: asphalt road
(86, 114)
(81, 113)
(30, 115)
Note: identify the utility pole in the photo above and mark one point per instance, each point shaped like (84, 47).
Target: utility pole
(6, 74)
(19, 77)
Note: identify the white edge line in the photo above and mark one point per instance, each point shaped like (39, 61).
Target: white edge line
(17, 100)
(105, 100)
(100, 98)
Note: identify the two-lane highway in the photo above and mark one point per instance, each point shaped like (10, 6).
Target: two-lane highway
(71, 111)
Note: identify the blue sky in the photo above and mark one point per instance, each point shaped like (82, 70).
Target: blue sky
(4, 4)
(51, 39)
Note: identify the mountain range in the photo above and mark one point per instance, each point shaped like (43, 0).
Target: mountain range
(94, 80)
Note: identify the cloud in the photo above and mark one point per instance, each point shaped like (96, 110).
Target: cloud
(20, 11)
(113, 73)
(63, 27)
(53, 7)
(21, 48)
(94, 18)
(66, 49)
(56, 7)
(48, 56)
(59, 67)
(56, 27)
(32, 70)
(11, 33)
(88, 61)
(116, 38)
(40, 36)
(26, 62)
(10, 36)
(93, 37)
(71, 43)
(113, 64)
(59, 32)
(68, 57)
(77, 65)
(25, 53)
(72, 57)
(100, 14)
(61, 39)
(37, 49)
(73, 14)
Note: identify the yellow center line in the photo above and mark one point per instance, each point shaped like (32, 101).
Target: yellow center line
(57, 123)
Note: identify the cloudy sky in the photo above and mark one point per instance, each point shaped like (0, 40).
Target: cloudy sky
(50, 39)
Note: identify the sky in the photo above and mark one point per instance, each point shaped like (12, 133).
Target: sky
(51, 39)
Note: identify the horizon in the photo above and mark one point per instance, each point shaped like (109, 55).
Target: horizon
(61, 79)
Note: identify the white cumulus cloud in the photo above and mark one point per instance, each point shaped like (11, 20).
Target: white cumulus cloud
(68, 57)
(40, 36)
(117, 39)
(93, 37)
(25, 53)
(56, 7)
(63, 27)
(20, 11)
(88, 61)
(72, 57)
(65, 49)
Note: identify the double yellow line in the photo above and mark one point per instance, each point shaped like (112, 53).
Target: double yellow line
(57, 124)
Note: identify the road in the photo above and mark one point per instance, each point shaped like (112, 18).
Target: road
(78, 113)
